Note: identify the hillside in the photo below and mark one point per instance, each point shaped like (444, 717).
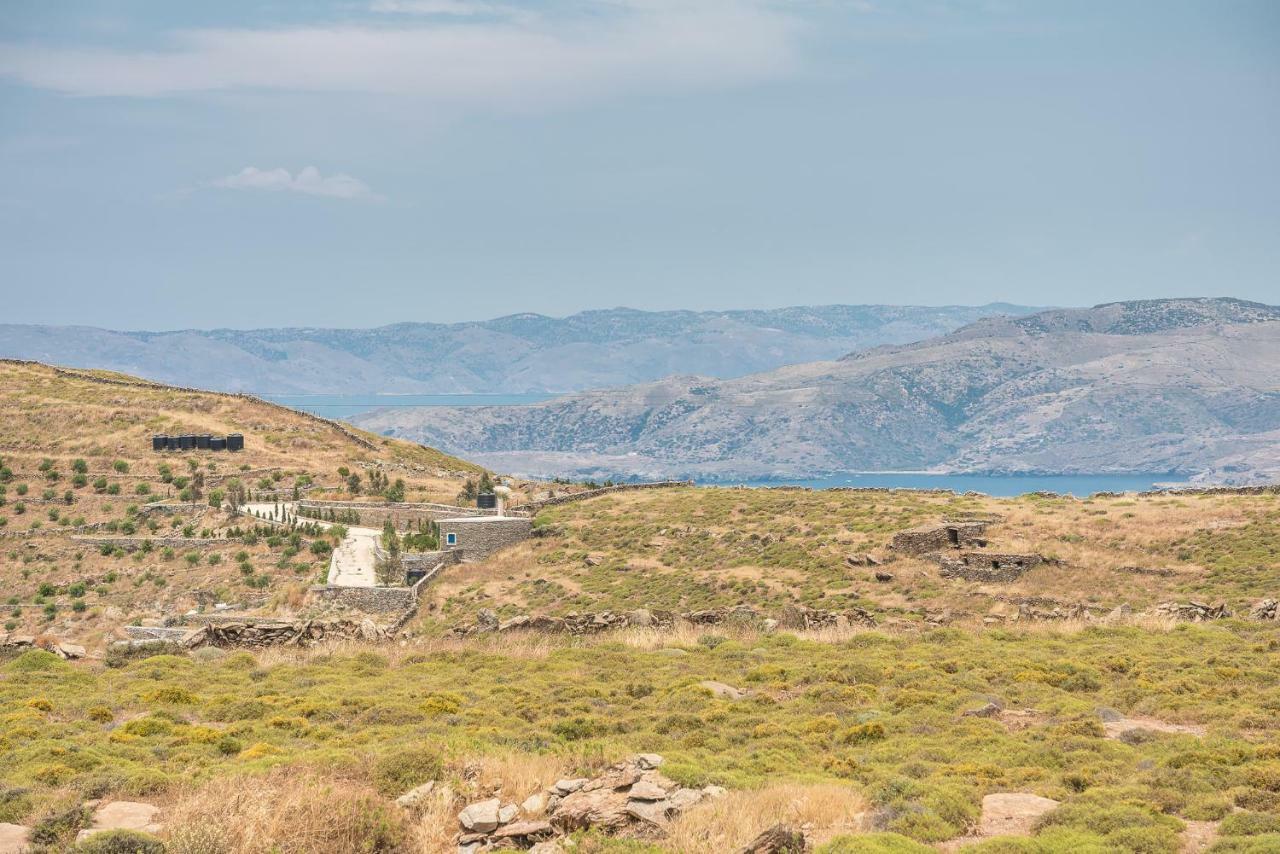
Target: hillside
(520, 353)
(1188, 386)
(76, 461)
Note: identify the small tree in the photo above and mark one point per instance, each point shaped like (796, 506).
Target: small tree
(390, 569)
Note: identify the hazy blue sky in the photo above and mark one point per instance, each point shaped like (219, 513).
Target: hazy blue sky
(169, 164)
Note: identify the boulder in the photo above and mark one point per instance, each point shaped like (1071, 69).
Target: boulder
(122, 815)
(482, 816)
(1267, 609)
(648, 761)
(534, 804)
(990, 710)
(722, 691)
(650, 812)
(13, 838)
(1012, 813)
(508, 813)
(70, 650)
(779, 839)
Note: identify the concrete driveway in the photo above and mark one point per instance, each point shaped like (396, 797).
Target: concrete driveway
(352, 562)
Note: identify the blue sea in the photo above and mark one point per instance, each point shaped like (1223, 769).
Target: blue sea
(1079, 485)
(347, 405)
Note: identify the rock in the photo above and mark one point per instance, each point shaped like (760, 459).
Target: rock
(487, 620)
(482, 816)
(714, 791)
(524, 830)
(779, 839)
(644, 790)
(722, 691)
(652, 812)
(70, 650)
(514, 623)
(13, 838)
(507, 813)
(671, 652)
(648, 761)
(566, 787)
(769, 626)
(534, 804)
(414, 796)
(122, 815)
(592, 560)
(1012, 813)
(682, 799)
(990, 710)
(884, 576)
(551, 846)
(601, 808)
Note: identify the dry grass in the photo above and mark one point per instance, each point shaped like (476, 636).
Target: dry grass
(288, 811)
(728, 823)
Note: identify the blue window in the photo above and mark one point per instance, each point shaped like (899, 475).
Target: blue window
(450, 539)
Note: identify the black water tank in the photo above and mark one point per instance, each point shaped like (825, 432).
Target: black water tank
(235, 442)
(159, 443)
(172, 443)
(202, 441)
(486, 501)
(187, 443)
(217, 443)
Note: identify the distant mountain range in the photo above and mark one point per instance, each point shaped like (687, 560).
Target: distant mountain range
(520, 353)
(1190, 386)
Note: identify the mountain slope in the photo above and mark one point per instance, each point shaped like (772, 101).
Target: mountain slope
(1189, 386)
(524, 352)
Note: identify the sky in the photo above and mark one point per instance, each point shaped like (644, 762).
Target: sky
(351, 164)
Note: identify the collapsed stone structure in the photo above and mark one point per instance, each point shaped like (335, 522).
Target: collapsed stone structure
(251, 634)
(987, 566)
(630, 798)
(932, 538)
(1192, 612)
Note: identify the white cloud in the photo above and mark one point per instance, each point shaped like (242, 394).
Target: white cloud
(308, 181)
(516, 63)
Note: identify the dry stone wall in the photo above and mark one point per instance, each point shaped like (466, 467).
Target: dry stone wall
(988, 566)
(535, 506)
(477, 538)
(933, 538)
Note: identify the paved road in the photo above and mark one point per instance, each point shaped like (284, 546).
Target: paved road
(352, 562)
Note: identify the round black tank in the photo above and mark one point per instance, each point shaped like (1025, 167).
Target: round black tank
(486, 501)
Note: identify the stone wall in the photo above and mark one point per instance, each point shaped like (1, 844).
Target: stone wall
(131, 544)
(988, 566)
(403, 515)
(370, 600)
(535, 506)
(933, 538)
(477, 538)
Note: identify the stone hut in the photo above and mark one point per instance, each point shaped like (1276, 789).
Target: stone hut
(477, 537)
(936, 538)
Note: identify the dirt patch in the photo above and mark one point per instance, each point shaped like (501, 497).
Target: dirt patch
(1118, 728)
(1004, 814)
(1199, 836)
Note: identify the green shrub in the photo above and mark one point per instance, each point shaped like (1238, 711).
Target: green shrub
(1249, 824)
(120, 842)
(873, 843)
(398, 772)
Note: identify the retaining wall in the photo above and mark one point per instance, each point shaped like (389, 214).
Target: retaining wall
(478, 538)
(535, 506)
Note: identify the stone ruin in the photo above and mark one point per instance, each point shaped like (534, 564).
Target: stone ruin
(988, 566)
(934, 538)
(791, 617)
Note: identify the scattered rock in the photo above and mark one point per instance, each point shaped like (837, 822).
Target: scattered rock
(508, 813)
(481, 817)
(1267, 609)
(884, 576)
(1126, 727)
(649, 761)
(779, 839)
(526, 830)
(1194, 612)
(70, 650)
(990, 710)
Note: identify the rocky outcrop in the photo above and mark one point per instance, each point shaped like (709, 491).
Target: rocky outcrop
(631, 798)
(20, 642)
(779, 839)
